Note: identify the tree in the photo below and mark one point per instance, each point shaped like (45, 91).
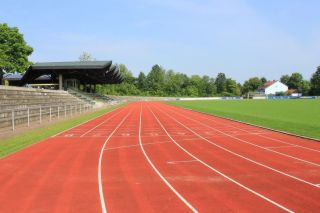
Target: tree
(127, 74)
(251, 85)
(285, 79)
(263, 80)
(295, 81)
(85, 56)
(155, 80)
(315, 82)
(221, 82)
(14, 51)
(304, 87)
(142, 84)
(231, 86)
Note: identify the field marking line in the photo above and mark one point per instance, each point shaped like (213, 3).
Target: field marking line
(247, 142)
(220, 173)
(86, 122)
(278, 147)
(103, 122)
(238, 155)
(102, 201)
(181, 161)
(137, 145)
(206, 116)
(157, 171)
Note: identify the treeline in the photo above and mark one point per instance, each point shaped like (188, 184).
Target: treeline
(161, 82)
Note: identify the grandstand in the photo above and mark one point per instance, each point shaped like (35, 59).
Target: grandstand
(20, 105)
(76, 82)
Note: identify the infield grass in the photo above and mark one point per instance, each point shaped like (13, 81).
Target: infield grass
(299, 116)
(18, 142)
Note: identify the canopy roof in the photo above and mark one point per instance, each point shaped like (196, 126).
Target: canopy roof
(87, 72)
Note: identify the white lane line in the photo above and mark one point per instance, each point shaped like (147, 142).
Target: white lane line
(247, 142)
(84, 122)
(102, 202)
(281, 141)
(318, 185)
(220, 173)
(260, 134)
(157, 171)
(181, 161)
(238, 155)
(277, 147)
(90, 130)
(137, 145)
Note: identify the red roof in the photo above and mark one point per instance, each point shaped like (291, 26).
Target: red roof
(268, 83)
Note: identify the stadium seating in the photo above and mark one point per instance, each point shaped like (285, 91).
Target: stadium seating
(23, 101)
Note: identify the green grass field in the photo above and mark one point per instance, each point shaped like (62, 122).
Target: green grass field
(295, 116)
(13, 144)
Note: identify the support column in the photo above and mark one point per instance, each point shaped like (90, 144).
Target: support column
(60, 82)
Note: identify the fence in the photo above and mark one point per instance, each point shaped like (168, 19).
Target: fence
(26, 116)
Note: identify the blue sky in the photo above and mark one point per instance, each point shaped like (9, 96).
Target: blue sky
(242, 38)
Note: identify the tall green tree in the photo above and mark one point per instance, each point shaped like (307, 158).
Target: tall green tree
(315, 82)
(285, 79)
(221, 81)
(232, 87)
(155, 80)
(295, 81)
(14, 51)
(127, 74)
(142, 84)
(251, 85)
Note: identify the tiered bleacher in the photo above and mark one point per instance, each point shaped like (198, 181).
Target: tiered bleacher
(37, 103)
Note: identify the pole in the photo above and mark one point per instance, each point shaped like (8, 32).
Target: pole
(28, 117)
(50, 113)
(40, 118)
(12, 120)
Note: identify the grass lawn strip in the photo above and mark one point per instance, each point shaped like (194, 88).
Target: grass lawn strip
(18, 142)
(300, 117)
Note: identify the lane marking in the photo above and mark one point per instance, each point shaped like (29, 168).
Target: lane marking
(181, 161)
(157, 171)
(137, 145)
(90, 130)
(217, 171)
(85, 122)
(260, 133)
(244, 141)
(276, 147)
(238, 155)
(102, 202)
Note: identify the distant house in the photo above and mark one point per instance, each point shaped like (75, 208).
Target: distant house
(273, 87)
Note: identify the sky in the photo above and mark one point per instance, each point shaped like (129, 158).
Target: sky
(241, 38)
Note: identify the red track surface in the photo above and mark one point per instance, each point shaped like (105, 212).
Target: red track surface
(151, 157)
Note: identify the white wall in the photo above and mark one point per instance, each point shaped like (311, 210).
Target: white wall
(276, 87)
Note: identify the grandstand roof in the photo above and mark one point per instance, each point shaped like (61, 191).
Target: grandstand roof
(89, 72)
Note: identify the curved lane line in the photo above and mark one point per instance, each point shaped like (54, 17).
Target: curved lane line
(247, 142)
(102, 202)
(241, 156)
(217, 171)
(157, 171)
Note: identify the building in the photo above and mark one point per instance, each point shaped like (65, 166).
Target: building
(64, 75)
(272, 88)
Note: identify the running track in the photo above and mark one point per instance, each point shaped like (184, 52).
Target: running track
(152, 157)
